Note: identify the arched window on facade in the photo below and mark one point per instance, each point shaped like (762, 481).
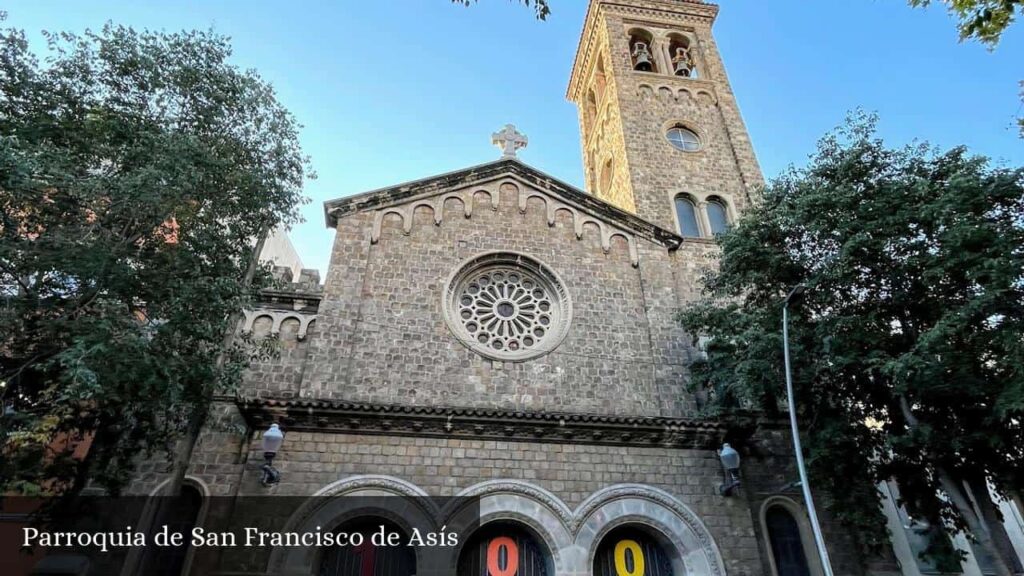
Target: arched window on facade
(367, 559)
(718, 216)
(504, 549)
(681, 55)
(641, 50)
(786, 542)
(632, 551)
(686, 213)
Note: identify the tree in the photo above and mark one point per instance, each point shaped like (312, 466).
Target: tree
(540, 7)
(983, 20)
(137, 170)
(908, 344)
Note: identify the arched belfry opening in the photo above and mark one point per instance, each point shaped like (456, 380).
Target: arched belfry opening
(505, 549)
(641, 43)
(681, 55)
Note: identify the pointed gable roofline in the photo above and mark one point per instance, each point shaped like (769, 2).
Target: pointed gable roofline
(482, 173)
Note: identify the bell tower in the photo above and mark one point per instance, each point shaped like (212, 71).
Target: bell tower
(662, 134)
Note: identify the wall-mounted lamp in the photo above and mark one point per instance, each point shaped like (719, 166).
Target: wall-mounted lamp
(272, 440)
(731, 465)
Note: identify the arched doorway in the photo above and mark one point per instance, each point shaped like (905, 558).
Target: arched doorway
(631, 551)
(367, 559)
(786, 542)
(180, 514)
(504, 549)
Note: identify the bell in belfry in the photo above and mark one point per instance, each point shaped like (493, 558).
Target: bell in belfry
(642, 57)
(682, 63)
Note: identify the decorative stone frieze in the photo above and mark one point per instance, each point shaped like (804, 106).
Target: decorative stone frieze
(341, 416)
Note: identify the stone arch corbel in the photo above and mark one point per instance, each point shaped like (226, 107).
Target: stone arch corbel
(467, 207)
(653, 509)
(492, 195)
(524, 197)
(378, 222)
(606, 239)
(304, 322)
(712, 99)
(634, 256)
(551, 209)
(517, 501)
(251, 316)
(556, 208)
(328, 509)
(581, 221)
(277, 317)
(433, 210)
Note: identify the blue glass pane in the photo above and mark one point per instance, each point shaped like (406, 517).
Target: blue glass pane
(687, 217)
(717, 218)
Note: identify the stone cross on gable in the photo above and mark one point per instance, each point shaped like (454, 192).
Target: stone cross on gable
(510, 140)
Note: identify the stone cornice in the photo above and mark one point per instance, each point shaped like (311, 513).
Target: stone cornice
(476, 175)
(337, 416)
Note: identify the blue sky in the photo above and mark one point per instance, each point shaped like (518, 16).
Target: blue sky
(397, 90)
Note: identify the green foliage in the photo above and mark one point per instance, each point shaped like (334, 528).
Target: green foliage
(540, 7)
(136, 171)
(914, 262)
(983, 20)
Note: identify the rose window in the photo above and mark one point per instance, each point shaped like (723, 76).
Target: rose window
(507, 307)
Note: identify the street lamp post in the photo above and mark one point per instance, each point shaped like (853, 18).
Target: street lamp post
(819, 540)
(272, 440)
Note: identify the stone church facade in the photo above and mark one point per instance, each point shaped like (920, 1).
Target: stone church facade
(494, 332)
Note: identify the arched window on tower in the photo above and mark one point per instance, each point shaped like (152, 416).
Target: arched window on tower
(641, 51)
(590, 108)
(686, 213)
(786, 542)
(681, 56)
(718, 216)
(605, 181)
(600, 82)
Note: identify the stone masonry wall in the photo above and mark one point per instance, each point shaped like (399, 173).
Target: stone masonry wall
(650, 103)
(381, 335)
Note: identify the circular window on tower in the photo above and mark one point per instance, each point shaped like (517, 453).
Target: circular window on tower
(682, 138)
(507, 306)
